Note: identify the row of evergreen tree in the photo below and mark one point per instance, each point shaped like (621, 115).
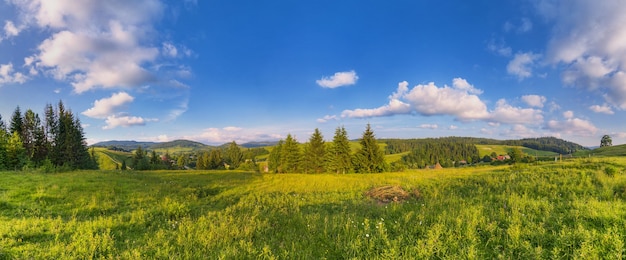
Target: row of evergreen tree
(56, 142)
(334, 157)
(543, 143)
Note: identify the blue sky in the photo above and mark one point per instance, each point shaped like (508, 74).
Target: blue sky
(218, 71)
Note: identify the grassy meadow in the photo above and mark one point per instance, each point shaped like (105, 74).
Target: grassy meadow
(571, 209)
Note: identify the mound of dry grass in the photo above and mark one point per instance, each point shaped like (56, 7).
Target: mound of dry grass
(391, 193)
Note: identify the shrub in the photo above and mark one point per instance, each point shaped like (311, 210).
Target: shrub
(610, 171)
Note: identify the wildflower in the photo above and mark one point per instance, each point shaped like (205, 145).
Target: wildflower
(367, 235)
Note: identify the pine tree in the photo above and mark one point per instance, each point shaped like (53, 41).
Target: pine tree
(369, 158)
(3, 127)
(314, 153)
(16, 122)
(274, 160)
(233, 155)
(291, 156)
(338, 157)
(140, 159)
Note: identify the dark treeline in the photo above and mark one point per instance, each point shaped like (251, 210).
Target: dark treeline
(544, 143)
(445, 152)
(55, 142)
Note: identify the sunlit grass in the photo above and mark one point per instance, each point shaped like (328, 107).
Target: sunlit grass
(550, 210)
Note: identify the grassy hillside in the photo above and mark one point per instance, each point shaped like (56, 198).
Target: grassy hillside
(505, 149)
(616, 150)
(566, 210)
(111, 160)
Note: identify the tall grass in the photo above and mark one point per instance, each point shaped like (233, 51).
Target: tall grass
(567, 210)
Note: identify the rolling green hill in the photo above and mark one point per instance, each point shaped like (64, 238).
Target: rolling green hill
(505, 149)
(616, 150)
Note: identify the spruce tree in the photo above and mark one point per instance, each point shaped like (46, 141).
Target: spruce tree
(338, 157)
(274, 160)
(233, 155)
(314, 153)
(369, 158)
(291, 156)
(16, 124)
(215, 160)
(16, 156)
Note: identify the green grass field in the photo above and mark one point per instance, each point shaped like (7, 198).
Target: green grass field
(505, 149)
(572, 209)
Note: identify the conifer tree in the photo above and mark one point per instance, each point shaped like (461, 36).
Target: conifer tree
(314, 153)
(274, 160)
(233, 155)
(200, 161)
(16, 122)
(215, 160)
(369, 158)
(338, 157)
(291, 156)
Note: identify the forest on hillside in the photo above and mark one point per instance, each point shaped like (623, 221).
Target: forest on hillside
(551, 144)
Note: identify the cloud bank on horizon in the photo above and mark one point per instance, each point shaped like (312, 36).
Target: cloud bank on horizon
(218, 72)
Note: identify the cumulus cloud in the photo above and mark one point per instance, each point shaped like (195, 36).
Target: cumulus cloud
(521, 65)
(568, 114)
(453, 127)
(339, 79)
(106, 107)
(591, 45)
(460, 101)
(8, 75)
(534, 100)
(572, 126)
(519, 131)
(602, 109)
(96, 44)
(115, 121)
(505, 113)
(394, 107)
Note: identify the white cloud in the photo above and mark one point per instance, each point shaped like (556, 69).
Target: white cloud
(505, 113)
(327, 118)
(114, 121)
(568, 114)
(453, 127)
(572, 126)
(534, 100)
(521, 65)
(431, 100)
(106, 107)
(429, 126)
(605, 109)
(8, 75)
(223, 135)
(394, 107)
(462, 84)
(460, 101)
(162, 138)
(232, 129)
(519, 131)
(340, 79)
(94, 44)
(590, 45)
(10, 30)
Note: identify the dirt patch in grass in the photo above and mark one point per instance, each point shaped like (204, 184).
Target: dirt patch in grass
(391, 193)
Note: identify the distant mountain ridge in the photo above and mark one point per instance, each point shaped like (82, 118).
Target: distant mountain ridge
(193, 145)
